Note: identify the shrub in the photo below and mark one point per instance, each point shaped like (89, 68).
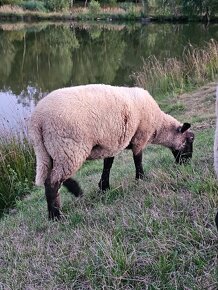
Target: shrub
(94, 7)
(9, 2)
(56, 5)
(34, 5)
(132, 11)
(112, 3)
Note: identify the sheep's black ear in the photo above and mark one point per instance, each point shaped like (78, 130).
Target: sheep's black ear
(185, 127)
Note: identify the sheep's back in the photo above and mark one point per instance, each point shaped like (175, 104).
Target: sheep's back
(93, 114)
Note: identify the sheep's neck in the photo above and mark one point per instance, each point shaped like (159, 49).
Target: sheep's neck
(165, 133)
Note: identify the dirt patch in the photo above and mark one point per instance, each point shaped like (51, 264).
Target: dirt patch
(200, 105)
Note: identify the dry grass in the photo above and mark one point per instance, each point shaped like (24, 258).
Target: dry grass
(158, 233)
(108, 10)
(130, 12)
(16, 12)
(173, 76)
(11, 9)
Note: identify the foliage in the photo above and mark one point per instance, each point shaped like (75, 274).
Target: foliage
(199, 7)
(56, 5)
(94, 7)
(191, 7)
(112, 3)
(146, 6)
(34, 5)
(131, 11)
(9, 2)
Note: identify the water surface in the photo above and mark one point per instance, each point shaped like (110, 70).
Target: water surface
(36, 59)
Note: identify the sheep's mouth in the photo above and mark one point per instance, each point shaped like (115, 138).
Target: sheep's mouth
(182, 157)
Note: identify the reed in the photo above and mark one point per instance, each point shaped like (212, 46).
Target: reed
(127, 12)
(17, 166)
(174, 76)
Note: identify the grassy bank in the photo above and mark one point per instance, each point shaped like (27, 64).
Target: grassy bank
(123, 12)
(16, 166)
(158, 233)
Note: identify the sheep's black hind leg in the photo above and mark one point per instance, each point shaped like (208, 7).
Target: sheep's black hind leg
(53, 199)
(73, 186)
(138, 166)
(104, 181)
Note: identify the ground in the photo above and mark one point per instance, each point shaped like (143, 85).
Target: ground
(158, 233)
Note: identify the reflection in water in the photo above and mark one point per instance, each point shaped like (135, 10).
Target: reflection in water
(37, 59)
(11, 112)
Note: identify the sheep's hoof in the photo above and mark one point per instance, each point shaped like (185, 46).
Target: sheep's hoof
(140, 176)
(103, 186)
(54, 214)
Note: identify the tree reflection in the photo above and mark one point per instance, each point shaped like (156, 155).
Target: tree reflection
(39, 60)
(34, 61)
(98, 59)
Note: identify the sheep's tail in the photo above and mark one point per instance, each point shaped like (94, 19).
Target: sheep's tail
(216, 137)
(43, 159)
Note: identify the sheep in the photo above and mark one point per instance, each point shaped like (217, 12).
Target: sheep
(75, 124)
(216, 148)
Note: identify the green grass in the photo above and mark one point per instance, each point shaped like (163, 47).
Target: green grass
(157, 233)
(17, 164)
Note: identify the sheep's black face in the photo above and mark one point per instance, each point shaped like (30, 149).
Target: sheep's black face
(184, 155)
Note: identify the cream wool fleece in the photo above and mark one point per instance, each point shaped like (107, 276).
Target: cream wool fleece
(73, 124)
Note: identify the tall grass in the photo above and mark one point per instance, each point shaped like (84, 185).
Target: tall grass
(17, 166)
(173, 76)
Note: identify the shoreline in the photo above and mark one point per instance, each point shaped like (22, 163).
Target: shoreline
(42, 16)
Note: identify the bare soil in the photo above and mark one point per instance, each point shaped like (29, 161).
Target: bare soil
(200, 105)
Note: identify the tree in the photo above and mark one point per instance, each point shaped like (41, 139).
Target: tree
(56, 5)
(145, 5)
(10, 2)
(206, 8)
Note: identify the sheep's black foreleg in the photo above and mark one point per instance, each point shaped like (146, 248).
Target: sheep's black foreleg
(53, 199)
(138, 166)
(104, 181)
(216, 220)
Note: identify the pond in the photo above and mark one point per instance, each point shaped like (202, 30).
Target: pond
(38, 58)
